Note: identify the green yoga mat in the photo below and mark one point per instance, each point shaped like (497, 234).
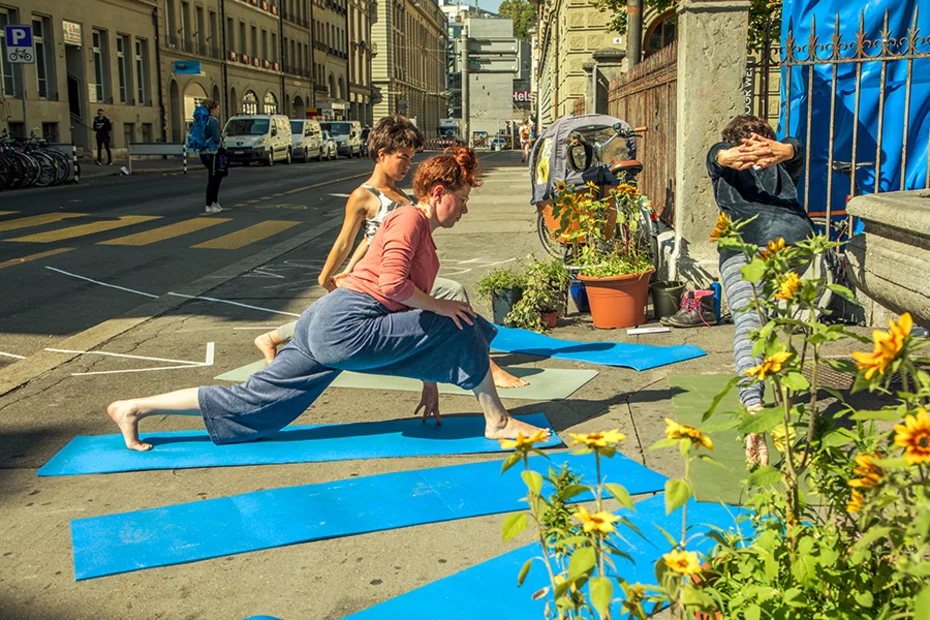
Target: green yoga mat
(693, 395)
(545, 383)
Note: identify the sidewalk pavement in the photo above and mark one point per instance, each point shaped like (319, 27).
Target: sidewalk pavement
(324, 579)
(173, 165)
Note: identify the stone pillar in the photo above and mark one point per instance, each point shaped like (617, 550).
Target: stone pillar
(609, 66)
(590, 86)
(712, 39)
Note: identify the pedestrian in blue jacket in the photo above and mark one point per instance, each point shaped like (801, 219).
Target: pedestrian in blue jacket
(206, 137)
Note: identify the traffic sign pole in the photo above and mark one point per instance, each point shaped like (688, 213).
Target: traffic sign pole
(20, 50)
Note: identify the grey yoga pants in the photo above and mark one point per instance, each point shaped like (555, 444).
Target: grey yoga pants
(346, 330)
(442, 289)
(739, 293)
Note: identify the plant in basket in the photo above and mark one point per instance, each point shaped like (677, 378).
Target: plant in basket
(504, 288)
(607, 250)
(545, 291)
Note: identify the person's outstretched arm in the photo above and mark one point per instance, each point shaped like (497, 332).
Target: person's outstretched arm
(360, 251)
(356, 212)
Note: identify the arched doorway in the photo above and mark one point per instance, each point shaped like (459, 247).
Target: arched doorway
(287, 106)
(249, 103)
(216, 93)
(193, 95)
(342, 89)
(175, 119)
(300, 110)
(270, 103)
(233, 102)
(332, 86)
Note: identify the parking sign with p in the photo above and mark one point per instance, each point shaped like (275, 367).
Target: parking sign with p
(19, 48)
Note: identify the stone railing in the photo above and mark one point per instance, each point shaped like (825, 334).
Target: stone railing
(889, 263)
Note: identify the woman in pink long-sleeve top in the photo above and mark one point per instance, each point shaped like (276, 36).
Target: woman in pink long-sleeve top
(379, 321)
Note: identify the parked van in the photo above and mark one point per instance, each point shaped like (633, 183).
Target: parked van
(348, 136)
(308, 139)
(258, 137)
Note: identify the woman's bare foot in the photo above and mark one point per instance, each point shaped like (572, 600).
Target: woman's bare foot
(757, 450)
(268, 345)
(123, 413)
(509, 426)
(504, 379)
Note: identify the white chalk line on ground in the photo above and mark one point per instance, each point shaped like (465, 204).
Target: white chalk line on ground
(208, 361)
(265, 327)
(13, 355)
(121, 288)
(233, 303)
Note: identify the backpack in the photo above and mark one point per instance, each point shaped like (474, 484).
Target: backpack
(197, 136)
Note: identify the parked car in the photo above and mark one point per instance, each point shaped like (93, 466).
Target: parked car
(500, 142)
(258, 137)
(329, 146)
(308, 139)
(348, 136)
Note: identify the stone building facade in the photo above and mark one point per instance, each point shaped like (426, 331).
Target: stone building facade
(410, 68)
(361, 50)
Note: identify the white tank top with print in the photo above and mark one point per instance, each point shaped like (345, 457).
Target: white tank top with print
(386, 206)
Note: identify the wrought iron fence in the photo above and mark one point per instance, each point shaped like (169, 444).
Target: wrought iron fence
(764, 74)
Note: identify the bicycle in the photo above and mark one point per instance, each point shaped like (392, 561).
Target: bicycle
(29, 162)
(23, 55)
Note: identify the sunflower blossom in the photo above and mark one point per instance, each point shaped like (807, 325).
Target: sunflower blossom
(593, 185)
(674, 430)
(521, 443)
(914, 437)
(560, 186)
(600, 522)
(774, 248)
(771, 364)
(870, 472)
(625, 189)
(598, 440)
(887, 346)
(855, 502)
(721, 227)
(682, 562)
(788, 287)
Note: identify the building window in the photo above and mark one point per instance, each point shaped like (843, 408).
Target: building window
(201, 30)
(270, 104)
(50, 131)
(264, 43)
(230, 34)
(129, 133)
(274, 47)
(45, 69)
(146, 132)
(662, 33)
(254, 41)
(214, 44)
(99, 39)
(122, 43)
(242, 40)
(141, 64)
(10, 82)
(249, 103)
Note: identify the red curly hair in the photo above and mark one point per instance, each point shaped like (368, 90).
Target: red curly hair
(454, 169)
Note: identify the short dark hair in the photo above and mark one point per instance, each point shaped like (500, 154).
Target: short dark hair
(391, 133)
(742, 127)
(100, 109)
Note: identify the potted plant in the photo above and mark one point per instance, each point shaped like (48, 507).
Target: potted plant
(545, 291)
(504, 287)
(607, 251)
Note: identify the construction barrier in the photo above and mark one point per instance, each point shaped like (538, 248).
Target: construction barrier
(166, 149)
(435, 144)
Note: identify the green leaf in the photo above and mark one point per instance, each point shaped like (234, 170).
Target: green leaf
(602, 591)
(870, 536)
(711, 460)
(865, 599)
(895, 463)
(513, 525)
(752, 612)
(677, 492)
(662, 443)
(922, 603)
(719, 397)
(581, 563)
(573, 490)
(804, 569)
(842, 365)
(885, 415)
(795, 381)
(839, 437)
(764, 476)
(754, 271)
(620, 494)
(533, 481)
(843, 292)
(524, 572)
(720, 425)
(761, 422)
(511, 460)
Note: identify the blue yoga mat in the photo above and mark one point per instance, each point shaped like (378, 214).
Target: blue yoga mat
(105, 454)
(131, 541)
(489, 590)
(635, 356)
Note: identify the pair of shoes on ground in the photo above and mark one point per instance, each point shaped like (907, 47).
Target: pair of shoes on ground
(697, 309)
(214, 208)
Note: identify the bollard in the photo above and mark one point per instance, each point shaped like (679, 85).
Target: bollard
(77, 166)
(184, 151)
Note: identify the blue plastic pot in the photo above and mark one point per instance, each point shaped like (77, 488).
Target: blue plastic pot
(579, 296)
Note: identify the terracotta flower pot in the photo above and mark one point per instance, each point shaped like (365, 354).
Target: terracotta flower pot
(549, 318)
(618, 301)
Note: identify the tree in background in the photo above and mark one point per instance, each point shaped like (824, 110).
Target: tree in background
(523, 15)
(764, 17)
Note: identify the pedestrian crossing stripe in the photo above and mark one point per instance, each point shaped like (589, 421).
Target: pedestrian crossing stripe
(82, 230)
(32, 257)
(7, 212)
(166, 232)
(246, 236)
(36, 220)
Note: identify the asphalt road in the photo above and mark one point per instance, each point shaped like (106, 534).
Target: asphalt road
(147, 233)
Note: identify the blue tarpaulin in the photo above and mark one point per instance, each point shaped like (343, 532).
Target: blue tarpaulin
(797, 15)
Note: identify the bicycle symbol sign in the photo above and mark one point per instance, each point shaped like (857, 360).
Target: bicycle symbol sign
(19, 44)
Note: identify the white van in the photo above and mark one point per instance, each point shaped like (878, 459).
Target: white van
(308, 139)
(258, 137)
(348, 136)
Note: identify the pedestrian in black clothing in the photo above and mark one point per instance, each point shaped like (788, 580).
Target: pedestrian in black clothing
(102, 127)
(207, 138)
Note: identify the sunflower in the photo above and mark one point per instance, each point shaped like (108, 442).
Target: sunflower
(521, 443)
(682, 562)
(598, 440)
(887, 346)
(625, 189)
(560, 186)
(770, 365)
(774, 248)
(870, 472)
(600, 522)
(855, 502)
(593, 185)
(674, 430)
(788, 287)
(914, 437)
(721, 227)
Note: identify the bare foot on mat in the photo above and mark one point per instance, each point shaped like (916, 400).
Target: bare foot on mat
(504, 380)
(121, 412)
(511, 426)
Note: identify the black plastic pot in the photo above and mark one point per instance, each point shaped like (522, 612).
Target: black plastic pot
(502, 302)
(666, 297)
